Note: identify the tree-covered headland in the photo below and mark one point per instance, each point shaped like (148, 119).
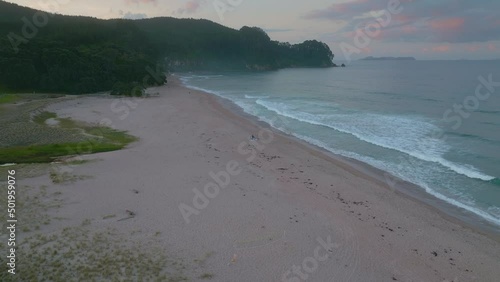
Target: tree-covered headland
(43, 52)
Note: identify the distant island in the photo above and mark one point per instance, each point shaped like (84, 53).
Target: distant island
(75, 54)
(370, 58)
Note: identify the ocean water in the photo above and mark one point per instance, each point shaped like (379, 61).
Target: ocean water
(422, 121)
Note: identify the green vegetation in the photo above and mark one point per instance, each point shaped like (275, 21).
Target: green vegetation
(34, 205)
(203, 259)
(58, 177)
(47, 153)
(97, 139)
(113, 140)
(78, 254)
(207, 276)
(73, 54)
(8, 98)
(43, 117)
(18, 128)
(128, 89)
(85, 55)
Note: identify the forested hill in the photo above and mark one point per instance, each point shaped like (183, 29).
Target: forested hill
(54, 53)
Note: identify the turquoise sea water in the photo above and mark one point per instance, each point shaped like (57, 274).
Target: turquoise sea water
(419, 120)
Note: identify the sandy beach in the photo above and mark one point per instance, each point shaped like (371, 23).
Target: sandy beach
(236, 208)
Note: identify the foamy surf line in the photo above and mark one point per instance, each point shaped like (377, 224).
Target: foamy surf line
(255, 97)
(460, 169)
(480, 213)
(376, 164)
(203, 90)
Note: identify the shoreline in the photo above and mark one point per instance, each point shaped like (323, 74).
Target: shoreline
(287, 201)
(404, 188)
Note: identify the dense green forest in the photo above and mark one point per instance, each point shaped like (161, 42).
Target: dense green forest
(67, 54)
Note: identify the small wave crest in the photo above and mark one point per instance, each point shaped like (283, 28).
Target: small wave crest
(220, 94)
(403, 134)
(255, 97)
(386, 167)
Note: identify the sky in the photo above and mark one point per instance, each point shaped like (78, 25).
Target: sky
(425, 29)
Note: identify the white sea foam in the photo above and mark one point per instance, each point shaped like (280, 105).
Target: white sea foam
(255, 97)
(403, 134)
(220, 94)
(389, 168)
(407, 134)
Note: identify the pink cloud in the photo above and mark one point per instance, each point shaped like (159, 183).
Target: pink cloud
(409, 29)
(443, 21)
(441, 48)
(366, 50)
(451, 24)
(190, 7)
(473, 48)
(492, 47)
(402, 18)
(347, 9)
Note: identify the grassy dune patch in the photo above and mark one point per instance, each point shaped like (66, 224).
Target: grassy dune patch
(82, 254)
(33, 205)
(66, 177)
(9, 98)
(96, 139)
(43, 117)
(47, 153)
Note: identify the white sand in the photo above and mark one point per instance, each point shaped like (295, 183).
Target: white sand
(271, 215)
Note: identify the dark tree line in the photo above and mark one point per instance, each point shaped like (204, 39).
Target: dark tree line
(83, 55)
